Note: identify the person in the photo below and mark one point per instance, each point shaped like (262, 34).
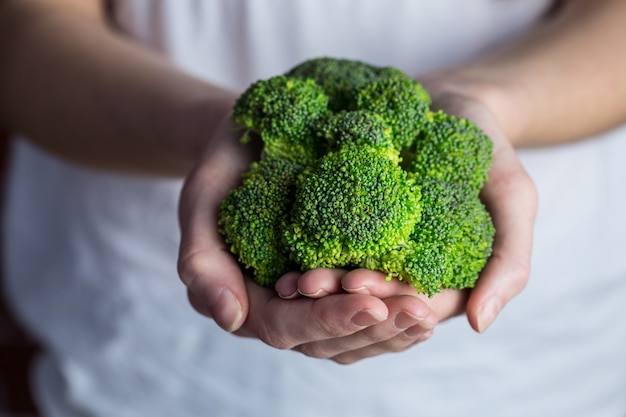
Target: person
(113, 113)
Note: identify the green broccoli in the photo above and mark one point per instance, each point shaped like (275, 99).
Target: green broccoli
(452, 149)
(355, 85)
(253, 216)
(401, 101)
(356, 204)
(450, 245)
(357, 171)
(358, 127)
(284, 112)
(341, 79)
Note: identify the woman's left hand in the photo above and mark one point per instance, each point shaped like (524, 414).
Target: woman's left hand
(511, 199)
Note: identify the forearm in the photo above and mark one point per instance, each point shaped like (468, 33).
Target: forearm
(562, 82)
(82, 91)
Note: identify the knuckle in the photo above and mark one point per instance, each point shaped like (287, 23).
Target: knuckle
(328, 326)
(519, 275)
(274, 337)
(517, 272)
(190, 267)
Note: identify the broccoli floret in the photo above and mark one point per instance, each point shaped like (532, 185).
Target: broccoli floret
(401, 101)
(361, 128)
(356, 204)
(452, 149)
(356, 85)
(357, 171)
(253, 216)
(284, 112)
(451, 243)
(341, 79)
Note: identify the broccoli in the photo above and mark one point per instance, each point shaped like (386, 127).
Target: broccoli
(451, 149)
(358, 127)
(253, 215)
(357, 171)
(450, 245)
(355, 204)
(284, 112)
(401, 101)
(355, 85)
(341, 79)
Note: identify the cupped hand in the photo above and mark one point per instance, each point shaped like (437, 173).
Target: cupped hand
(344, 327)
(511, 199)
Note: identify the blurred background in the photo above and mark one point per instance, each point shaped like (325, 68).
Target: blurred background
(17, 349)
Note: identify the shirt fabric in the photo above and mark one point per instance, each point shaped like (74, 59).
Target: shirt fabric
(91, 256)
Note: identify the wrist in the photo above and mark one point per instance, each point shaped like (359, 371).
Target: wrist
(198, 123)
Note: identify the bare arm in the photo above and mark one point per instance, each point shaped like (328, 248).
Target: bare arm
(563, 81)
(79, 89)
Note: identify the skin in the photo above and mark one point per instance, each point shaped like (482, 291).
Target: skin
(140, 115)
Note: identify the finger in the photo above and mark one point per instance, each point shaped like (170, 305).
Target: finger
(285, 324)
(511, 199)
(215, 288)
(287, 285)
(444, 305)
(314, 283)
(320, 282)
(406, 312)
(205, 265)
(365, 281)
(399, 343)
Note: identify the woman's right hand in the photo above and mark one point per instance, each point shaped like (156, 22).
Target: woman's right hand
(343, 327)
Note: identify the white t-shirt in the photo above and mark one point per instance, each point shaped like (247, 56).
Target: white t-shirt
(91, 257)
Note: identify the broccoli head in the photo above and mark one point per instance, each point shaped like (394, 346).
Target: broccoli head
(452, 149)
(401, 101)
(450, 245)
(341, 79)
(357, 171)
(284, 112)
(253, 216)
(356, 204)
(360, 128)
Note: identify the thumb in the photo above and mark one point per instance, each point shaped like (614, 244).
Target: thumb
(215, 287)
(511, 198)
(214, 280)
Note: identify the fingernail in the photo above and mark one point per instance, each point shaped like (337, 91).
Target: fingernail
(291, 296)
(405, 320)
(487, 314)
(226, 310)
(360, 290)
(367, 318)
(426, 324)
(419, 331)
(317, 294)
